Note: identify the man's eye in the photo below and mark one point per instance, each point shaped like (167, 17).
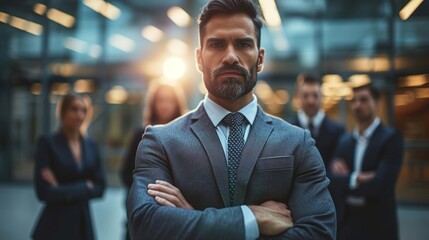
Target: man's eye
(216, 45)
(244, 45)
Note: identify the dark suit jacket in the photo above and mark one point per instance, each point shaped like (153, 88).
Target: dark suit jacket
(279, 162)
(326, 141)
(128, 163)
(66, 214)
(377, 219)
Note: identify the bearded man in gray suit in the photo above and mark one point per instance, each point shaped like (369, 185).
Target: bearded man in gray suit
(227, 170)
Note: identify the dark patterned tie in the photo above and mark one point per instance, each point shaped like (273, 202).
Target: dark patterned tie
(312, 129)
(235, 147)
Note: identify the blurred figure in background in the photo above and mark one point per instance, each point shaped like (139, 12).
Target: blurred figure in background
(68, 173)
(163, 103)
(325, 131)
(364, 173)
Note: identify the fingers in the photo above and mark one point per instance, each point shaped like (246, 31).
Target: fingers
(277, 208)
(272, 217)
(364, 177)
(49, 176)
(339, 167)
(171, 199)
(164, 202)
(169, 195)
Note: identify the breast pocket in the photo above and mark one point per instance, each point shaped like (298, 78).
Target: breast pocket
(277, 163)
(271, 179)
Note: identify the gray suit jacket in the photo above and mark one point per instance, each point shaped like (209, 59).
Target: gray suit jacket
(279, 162)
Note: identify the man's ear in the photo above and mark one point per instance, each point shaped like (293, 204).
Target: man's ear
(261, 57)
(198, 59)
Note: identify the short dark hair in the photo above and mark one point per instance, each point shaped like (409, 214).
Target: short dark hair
(373, 91)
(310, 79)
(215, 7)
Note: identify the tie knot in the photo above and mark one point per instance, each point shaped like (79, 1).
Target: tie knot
(234, 119)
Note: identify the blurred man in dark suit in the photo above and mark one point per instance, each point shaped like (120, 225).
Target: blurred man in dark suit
(364, 173)
(325, 131)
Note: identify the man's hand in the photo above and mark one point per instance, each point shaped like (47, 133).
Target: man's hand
(167, 195)
(272, 217)
(339, 167)
(365, 177)
(49, 177)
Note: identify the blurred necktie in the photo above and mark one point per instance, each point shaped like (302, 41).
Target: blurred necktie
(312, 129)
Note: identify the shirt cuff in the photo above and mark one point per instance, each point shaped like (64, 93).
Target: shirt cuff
(250, 225)
(353, 180)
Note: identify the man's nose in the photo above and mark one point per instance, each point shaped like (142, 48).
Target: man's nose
(231, 56)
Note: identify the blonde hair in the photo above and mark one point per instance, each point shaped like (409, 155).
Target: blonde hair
(148, 113)
(64, 103)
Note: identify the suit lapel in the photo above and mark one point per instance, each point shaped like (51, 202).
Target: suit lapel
(205, 131)
(373, 143)
(64, 151)
(258, 135)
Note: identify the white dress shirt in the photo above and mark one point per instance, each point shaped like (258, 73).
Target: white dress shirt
(304, 120)
(216, 114)
(361, 145)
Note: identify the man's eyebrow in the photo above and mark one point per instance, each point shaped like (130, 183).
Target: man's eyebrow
(213, 39)
(245, 39)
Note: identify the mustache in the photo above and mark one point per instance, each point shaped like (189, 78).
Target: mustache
(234, 67)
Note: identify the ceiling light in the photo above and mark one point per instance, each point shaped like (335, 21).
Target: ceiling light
(152, 33)
(60, 17)
(179, 16)
(122, 43)
(75, 44)
(4, 17)
(408, 9)
(40, 9)
(271, 13)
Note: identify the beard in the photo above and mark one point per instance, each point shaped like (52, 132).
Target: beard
(231, 88)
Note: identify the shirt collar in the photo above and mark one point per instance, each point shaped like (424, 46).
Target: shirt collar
(369, 131)
(216, 112)
(317, 119)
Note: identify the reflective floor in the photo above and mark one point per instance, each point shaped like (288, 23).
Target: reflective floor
(19, 209)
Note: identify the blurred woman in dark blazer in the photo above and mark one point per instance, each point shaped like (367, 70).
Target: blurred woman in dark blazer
(163, 103)
(68, 173)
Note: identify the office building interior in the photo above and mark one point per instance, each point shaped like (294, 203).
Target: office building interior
(112, 50)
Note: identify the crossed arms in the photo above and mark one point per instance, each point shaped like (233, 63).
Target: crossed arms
(157, 209)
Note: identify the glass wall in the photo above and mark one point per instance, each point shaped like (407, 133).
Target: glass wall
(112, 50)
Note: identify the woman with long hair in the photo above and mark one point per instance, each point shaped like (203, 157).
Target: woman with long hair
(163, 103)
(68, 173)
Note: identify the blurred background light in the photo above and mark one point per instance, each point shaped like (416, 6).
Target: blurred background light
(59, 88)
(60, 17)
(179, 16)
(106, 9)
(174, 68)
(116, 95)
(177, 47)
(409, 8)
(359, 80)
(36, 88)
(40, 9)
(152, 33)
(271, 13)
(84, 86)
(95, 51)
(75, 44)
(4, 17)
(28, 26)
(121, 42)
